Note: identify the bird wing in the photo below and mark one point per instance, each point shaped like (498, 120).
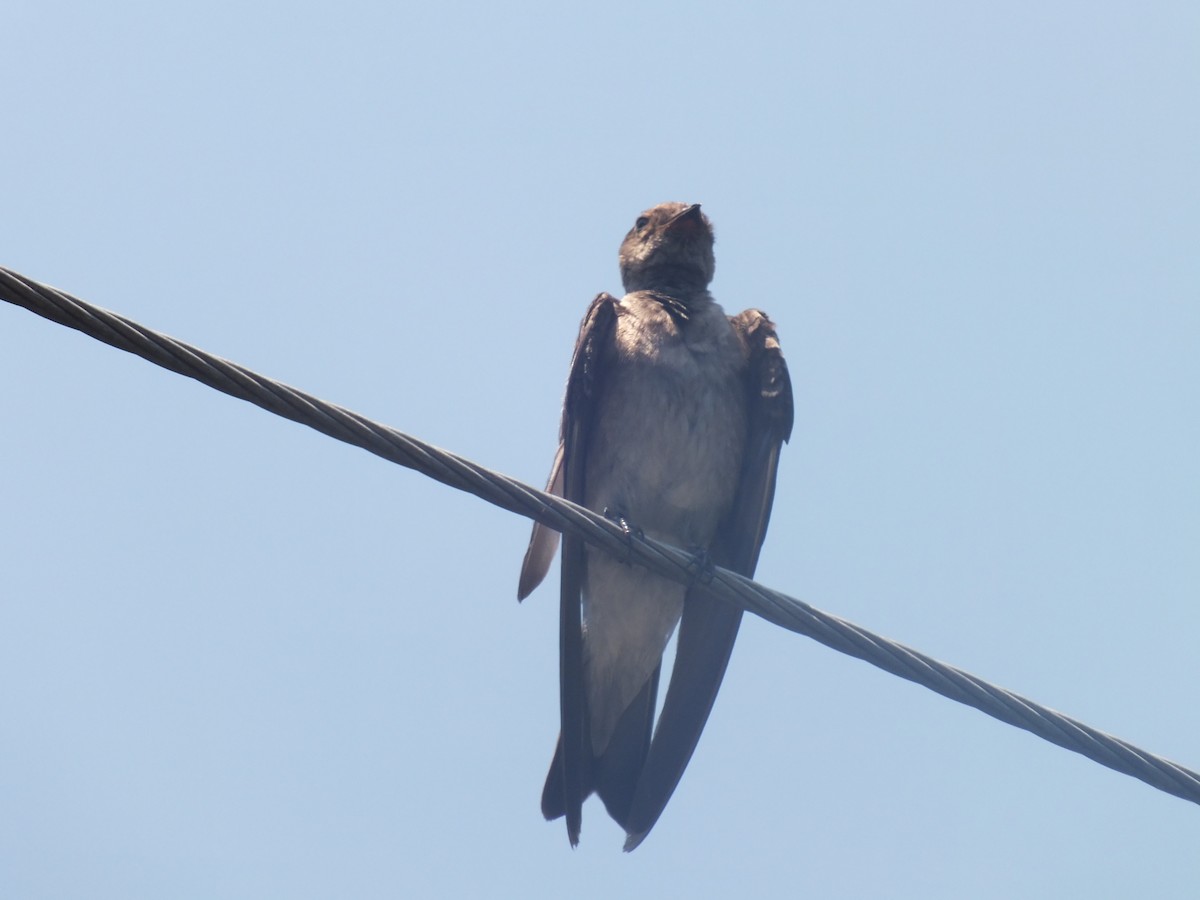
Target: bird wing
(709, 626)
(569, 772)
(544, 541)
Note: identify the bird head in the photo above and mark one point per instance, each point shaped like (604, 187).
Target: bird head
(669, 248)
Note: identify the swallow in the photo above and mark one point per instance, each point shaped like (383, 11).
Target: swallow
(673, 422)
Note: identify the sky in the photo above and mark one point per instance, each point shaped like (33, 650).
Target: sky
(240, 659)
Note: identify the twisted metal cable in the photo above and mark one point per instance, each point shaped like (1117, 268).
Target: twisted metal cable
(564, 516)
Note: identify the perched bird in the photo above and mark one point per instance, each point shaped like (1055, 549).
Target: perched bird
(673, 420)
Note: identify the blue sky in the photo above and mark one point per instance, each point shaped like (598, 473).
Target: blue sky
(239, 659)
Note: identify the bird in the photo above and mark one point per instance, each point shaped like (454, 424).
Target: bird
(672, 424)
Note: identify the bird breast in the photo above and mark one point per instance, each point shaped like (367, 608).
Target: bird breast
(671, 422)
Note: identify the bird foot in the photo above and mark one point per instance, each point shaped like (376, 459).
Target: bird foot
(701, 565)
(631, 533)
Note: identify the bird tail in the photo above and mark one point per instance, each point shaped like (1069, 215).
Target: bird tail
(614, 773)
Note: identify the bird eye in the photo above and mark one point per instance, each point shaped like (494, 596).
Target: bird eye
(642, 222)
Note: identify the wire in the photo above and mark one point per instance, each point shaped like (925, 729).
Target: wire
(564, 516)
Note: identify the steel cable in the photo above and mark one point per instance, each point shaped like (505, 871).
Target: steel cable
(562, 515)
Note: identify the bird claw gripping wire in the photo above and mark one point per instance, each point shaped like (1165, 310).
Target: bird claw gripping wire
(631, 533)
(701, 565)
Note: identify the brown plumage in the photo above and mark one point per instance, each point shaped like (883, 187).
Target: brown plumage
(673, 420)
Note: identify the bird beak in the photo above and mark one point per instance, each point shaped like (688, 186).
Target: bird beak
(687, 219)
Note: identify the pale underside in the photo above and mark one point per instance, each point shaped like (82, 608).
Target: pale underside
(671, 422)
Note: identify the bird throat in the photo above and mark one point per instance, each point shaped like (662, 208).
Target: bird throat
(676, 279)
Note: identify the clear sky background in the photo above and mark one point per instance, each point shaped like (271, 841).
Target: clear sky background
(239, 659)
